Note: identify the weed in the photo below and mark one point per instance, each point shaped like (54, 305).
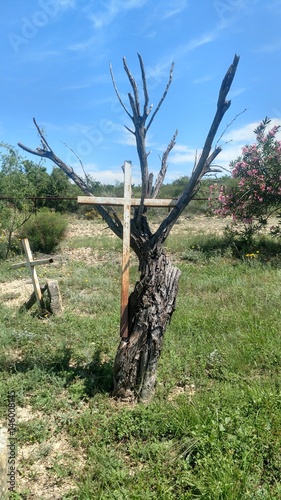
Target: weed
(213, 428)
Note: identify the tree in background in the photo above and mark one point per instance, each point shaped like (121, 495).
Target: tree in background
(60, 186)
(16, 186)
(152, 302)
(24, 186)
(256, 194)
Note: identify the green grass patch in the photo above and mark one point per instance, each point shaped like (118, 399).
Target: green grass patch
(101, 243)
(213, 428)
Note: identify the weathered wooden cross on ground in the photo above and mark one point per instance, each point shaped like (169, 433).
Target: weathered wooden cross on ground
(30, 264)
(127, 201)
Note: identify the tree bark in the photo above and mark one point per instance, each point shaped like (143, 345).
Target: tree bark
(151, 306)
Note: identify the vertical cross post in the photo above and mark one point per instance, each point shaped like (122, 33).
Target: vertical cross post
(32, 271)
(125, 281)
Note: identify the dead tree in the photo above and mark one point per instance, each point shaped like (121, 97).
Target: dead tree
(152, 302)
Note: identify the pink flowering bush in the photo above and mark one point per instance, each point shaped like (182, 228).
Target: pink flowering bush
(257, 191)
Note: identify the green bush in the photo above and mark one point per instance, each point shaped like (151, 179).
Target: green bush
(44, 231)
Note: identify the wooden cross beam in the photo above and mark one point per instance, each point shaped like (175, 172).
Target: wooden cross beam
(30, 264)
(127, 202)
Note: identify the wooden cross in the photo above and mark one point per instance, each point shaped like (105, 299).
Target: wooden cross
(30, 264)
(127, 202)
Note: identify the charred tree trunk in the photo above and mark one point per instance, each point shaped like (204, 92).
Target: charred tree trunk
(151, 306)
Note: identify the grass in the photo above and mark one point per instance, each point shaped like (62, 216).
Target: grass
(213, 428)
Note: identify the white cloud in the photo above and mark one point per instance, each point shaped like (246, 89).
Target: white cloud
(229, 153)
(182, 154)
(67, 4)
(175, 9)
(41, 55)
(246, 135)
(160, 72)
(274, 6)
(203, 79)
(243, 134)
(195, 43)
(106, 176)
(269, 48)
(127, 139)
(113, 9)
(84, 45)
(236, 91)
(232, 143)
(88, 83)
(239, 137)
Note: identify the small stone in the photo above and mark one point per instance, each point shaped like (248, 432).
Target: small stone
(55, 297)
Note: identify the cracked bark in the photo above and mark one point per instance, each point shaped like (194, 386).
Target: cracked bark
(151, 306)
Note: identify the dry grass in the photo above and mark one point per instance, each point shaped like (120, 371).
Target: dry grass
(70, 430)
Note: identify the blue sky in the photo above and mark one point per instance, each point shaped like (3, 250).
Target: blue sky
(55, 57)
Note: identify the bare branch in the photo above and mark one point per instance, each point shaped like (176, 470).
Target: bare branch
(132, 132)
(134, 87)
(146, 111)
(79, 159)
(150, 184)
(226, 83)
(163, 97)
(220, 168)
(204, 161)
(210, 160)
(164, 166)
(135, 109)
(229, 125)
(43, 139)
(47, 152)
(139, 132)
(117, 93)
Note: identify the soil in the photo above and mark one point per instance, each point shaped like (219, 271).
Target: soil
(16, 292)
(40, 459)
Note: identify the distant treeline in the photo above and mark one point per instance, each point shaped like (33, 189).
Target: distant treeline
(28, 185)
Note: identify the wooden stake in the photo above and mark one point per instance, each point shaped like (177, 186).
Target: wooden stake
(125, 281)
(32, 271)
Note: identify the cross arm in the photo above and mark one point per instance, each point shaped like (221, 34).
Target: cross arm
(32, 263)
(135, 202)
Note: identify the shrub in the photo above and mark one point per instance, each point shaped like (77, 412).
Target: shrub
(257, 192)
(44, 230)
